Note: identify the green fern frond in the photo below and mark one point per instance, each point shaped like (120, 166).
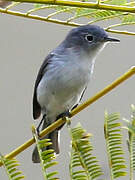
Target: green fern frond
(105, 15)
(38, 5)
(83, 165)
(128, 19)
(117, 2)
(47, 157)
(133, 153)
(113, 137)
(11, 166)
(131, 141)
(91, 15)
(99, 15)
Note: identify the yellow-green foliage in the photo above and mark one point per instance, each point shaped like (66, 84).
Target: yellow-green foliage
(100, 11)
(83, 165)
(11, 167)
(113, 137)
(46, 157)
(130, 126)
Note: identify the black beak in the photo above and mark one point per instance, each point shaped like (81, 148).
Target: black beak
(109, 39)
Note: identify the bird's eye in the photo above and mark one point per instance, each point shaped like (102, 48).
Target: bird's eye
(89, 38)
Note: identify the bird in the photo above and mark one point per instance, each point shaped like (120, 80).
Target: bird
(64, 77)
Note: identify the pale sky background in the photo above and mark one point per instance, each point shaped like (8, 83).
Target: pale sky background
(24, 43)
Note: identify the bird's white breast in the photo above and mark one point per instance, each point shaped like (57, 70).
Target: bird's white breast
(63, 83)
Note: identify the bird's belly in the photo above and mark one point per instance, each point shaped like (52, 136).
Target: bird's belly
(62, 91)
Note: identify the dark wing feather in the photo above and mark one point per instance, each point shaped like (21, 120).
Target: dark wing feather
(75, 106)
(36, 105)
(83, 93)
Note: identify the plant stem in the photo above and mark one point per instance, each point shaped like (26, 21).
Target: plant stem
(104, 91)
(106, 18)
(36, 17)
(56, 21)
(120, 32)
(131, 155)
(107, 144)
(81, 4)
(123, 24)
(82, 161)
(40, 8)
(38, 148)
(59, 122)
(8, 174)
(74, 144)
(58, 12)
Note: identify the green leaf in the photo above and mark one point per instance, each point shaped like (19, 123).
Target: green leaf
(38, 5)
(130, 18)
(11, 167)
(83, 165)
(46, 157)
(131, 141)
(49, 175)
(50, 164)
(113, 137)
(18, 178)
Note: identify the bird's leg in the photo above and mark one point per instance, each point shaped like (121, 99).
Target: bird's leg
(62, 115)
(41, 122)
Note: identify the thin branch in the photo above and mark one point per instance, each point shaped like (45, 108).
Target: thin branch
(82, 5)
(121, 24)
(36, 17)
(98, 2)
(120, 32)
(39, 152)
(131, 155)
(107, 89)
(56, 21)
(40, 8)
(92, 13)
(59, 122)
(107, 145)
(109, 29)
(108, 17)
(58, 12)
(79, 16)
(12, 5)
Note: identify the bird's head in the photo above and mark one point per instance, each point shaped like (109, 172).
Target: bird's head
(88, 37)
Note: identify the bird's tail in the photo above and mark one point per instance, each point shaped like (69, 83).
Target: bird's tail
(55, 144)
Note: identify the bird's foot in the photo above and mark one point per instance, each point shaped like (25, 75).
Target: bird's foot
(63, 116)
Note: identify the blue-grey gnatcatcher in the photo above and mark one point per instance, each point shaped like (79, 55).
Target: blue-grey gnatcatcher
(64, 76)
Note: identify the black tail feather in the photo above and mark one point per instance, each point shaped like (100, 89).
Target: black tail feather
(54, 139)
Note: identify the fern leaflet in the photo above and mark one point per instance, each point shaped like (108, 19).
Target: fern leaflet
(11, 166)
(46, 157)
(70, 15)
(131, 141)
(83, 165)
(113, 137)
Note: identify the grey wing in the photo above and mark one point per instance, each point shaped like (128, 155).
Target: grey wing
(36, 105)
